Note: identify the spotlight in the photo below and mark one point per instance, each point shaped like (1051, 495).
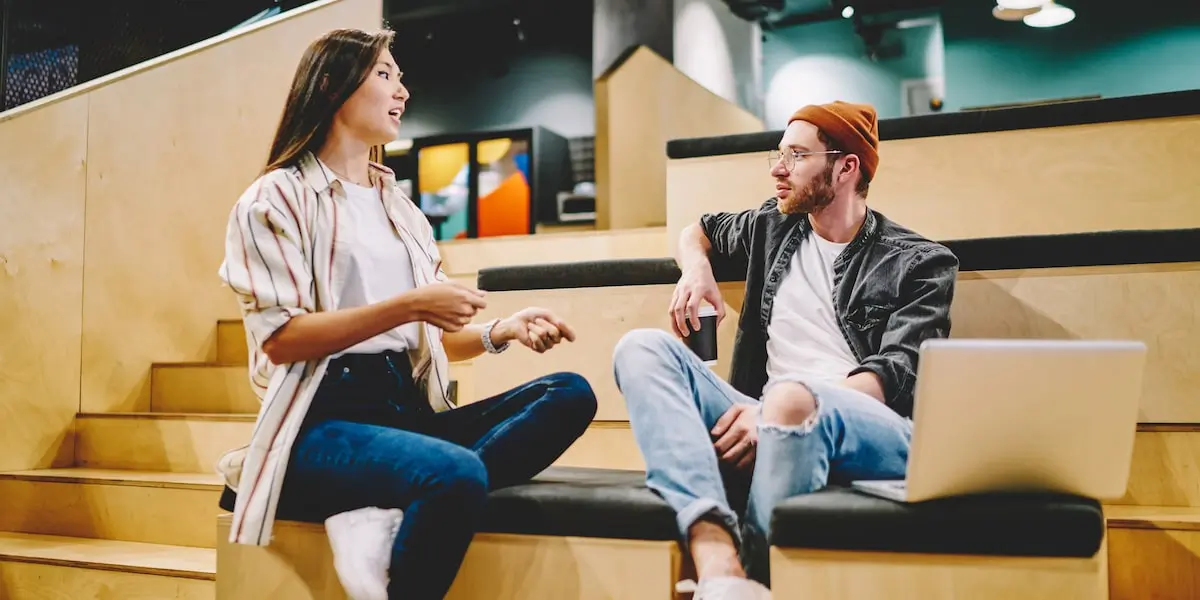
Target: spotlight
(1051, 15)
(847, 12)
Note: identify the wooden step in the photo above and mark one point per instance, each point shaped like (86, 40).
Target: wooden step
(600, 317)
(192, 443)
(135, 506)
(462, 259)
(175, 442)
(225, 388)
(201, 388)
(45, 566)
(1153, 552)
(1165, 470)
(231, 343)
(299, 564)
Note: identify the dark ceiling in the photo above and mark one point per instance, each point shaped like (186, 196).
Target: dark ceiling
(798, 12)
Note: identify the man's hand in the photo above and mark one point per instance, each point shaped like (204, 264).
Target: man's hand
(736, 435)
(697, 283)
(536, 328)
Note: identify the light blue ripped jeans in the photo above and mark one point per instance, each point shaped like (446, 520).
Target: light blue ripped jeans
(674, 401)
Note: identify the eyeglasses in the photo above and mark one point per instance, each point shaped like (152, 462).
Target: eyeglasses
(791, 157)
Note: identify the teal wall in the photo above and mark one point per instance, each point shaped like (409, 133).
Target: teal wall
(826, 61)
(1148, 46)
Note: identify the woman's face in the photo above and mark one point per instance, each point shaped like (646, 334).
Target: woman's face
(372, 113)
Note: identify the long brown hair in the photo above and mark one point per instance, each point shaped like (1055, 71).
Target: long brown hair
(330, 71)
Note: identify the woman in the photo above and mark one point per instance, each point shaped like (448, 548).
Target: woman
(351, 322)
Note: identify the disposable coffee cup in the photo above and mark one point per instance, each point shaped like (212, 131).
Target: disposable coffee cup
(704, 341)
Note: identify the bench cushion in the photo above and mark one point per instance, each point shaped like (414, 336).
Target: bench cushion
(566, 501)
(980, 254)
(838, 518)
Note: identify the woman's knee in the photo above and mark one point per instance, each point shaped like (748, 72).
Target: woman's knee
(573, 393)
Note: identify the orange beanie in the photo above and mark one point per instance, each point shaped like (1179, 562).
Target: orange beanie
(853, 127)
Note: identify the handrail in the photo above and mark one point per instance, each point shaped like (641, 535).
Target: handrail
(164, 59)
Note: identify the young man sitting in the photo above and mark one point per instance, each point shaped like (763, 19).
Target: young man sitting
(838, 300)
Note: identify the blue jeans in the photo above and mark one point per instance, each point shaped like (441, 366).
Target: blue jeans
(370, 440)
(674, 401)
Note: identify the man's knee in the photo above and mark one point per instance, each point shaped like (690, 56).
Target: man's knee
(788, 403)
(638, 345)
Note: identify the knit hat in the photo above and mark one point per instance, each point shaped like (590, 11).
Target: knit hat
(853, 128)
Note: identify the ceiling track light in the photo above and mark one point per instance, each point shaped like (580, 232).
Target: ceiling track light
(1034, 13)
(1051, 14)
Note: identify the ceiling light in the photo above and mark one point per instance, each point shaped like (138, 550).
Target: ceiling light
(847, 12)
(1051, 15)
(1011, 14)
(1020, 4)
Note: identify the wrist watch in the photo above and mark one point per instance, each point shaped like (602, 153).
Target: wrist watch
(487, 338)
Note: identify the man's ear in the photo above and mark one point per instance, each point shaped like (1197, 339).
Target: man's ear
(851, 165)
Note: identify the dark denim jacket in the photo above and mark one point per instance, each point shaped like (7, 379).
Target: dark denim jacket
(892, 291)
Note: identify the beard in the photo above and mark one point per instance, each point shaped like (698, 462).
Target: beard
(817, 194)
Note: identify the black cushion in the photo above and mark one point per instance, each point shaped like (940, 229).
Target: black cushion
(1058, 114)
(1124, 247)
(565, 501)
(838, 518)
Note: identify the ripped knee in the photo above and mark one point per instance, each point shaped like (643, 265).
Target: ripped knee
(789, 404)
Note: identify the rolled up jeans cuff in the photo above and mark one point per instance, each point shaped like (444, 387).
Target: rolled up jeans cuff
(702, 507)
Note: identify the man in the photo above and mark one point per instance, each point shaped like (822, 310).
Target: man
(838, 300)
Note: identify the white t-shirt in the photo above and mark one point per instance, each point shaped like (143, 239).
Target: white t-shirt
(803, 338)
(379, 268)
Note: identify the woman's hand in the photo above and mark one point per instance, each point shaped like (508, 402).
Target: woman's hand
(449, 306)
(536, 328)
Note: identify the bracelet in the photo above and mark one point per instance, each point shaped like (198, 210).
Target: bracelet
(487, 338)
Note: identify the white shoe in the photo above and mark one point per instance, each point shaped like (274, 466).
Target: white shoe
(362, 549)
(731, 588)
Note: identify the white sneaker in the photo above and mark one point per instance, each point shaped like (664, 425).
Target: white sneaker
(362, 549)
(731, 588)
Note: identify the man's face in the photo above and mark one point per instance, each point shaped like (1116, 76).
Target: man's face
(803, 181)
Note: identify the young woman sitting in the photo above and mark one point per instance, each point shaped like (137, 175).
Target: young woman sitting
(351, 324)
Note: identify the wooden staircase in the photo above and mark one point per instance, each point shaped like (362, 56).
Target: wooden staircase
(134, 517)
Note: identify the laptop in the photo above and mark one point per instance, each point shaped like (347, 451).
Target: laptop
(997, 416)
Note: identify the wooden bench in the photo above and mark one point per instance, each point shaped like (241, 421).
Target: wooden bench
(569, 533)
(838, 544)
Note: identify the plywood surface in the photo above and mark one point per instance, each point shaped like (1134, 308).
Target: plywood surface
(132, 557)
(167, 160)
(600, 317)
(26, 581)
(42, 174)
(1123, 175)
(299, 565)
(646, 102)
(1157, 304)
(467, 257)
(1165, 469)
(1153, 563)
(837, 575)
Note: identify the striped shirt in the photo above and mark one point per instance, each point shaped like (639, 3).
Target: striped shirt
(286, 253)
